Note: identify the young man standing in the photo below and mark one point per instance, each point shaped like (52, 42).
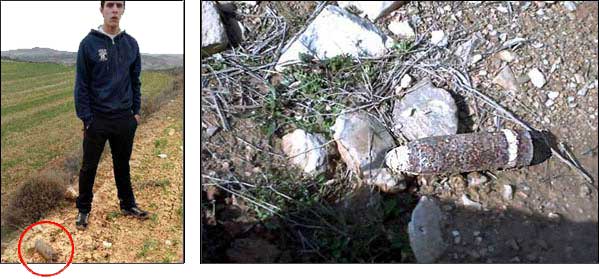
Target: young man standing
(108, 100)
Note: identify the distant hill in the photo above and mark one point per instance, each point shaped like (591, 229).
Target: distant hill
(37, 54)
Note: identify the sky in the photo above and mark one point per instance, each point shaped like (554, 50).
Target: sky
(156, 25)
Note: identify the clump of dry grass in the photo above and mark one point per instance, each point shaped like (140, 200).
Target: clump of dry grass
(35, 198)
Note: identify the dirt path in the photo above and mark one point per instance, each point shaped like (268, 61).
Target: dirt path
(158, 185)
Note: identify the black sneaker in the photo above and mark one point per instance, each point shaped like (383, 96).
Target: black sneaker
(81, 222)
(136, 212)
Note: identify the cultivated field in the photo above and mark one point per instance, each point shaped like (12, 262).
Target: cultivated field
(38, 116)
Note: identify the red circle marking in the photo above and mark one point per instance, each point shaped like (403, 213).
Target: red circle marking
(62, 228)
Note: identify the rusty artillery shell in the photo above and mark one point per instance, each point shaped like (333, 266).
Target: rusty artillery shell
(45, 250)
(463, 153)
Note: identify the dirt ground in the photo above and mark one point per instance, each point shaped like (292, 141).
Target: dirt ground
(112, 237)
(552, 216)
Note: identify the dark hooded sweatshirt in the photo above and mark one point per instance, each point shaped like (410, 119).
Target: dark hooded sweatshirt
(108, 82)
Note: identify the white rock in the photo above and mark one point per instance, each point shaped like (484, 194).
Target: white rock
(353, 35)
(405, 81)
(552, 95)
(506, 80)
(549, 103)
(385, 180)
(71, 194)
(424, 231)
(163, 156)
(506, 55)
(362, 141)
(305, 150)
(536, 77)
(569, 5)
(579, 78)
(426, 111)
(373, 9)
(168, 242)
(214, 36)
(402, 29)
(475, 59)
(106, 244)
(438, 38)
(508, 192)
(470, 203)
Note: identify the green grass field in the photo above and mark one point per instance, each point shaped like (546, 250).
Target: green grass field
(39, 122)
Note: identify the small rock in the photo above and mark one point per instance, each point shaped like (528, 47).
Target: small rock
(171, 132)
(424, 231)
(508, 192)
(162, 156)
(536, 77)
(362, 141)
(482, 73)
(438, 38)
(579, 78)
(106, 244)
(549, 103)
(569, 5)
(306, 151)
(506, 55)
(385, 180)
(476, 179)
(168, 243)
(426, 111)
(210, 131)
(475, 59)
(552, 95)
(71, 194)
(372, 9)
(506, 80)
(402, 29)
(470, 203)
(405, 81)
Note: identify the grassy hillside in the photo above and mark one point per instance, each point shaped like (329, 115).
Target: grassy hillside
(38, 116)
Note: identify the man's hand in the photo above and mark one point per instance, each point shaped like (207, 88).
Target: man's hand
(137, 118)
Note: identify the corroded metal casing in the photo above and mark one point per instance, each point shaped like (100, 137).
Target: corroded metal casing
(45, 250)
(463, 153)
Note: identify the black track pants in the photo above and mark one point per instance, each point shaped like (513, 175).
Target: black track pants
(119, 133)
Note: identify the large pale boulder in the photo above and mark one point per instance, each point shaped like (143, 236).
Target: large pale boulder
(335, 32)
(214, 35)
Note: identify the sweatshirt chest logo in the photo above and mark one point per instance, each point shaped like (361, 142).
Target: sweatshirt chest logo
(103, 54)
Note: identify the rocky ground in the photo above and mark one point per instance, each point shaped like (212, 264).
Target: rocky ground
(544, 213)
(111, 237)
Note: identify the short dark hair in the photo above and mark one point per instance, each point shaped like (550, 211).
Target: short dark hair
(102, 4)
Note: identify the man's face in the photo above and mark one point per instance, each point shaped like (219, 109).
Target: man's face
(112, 12)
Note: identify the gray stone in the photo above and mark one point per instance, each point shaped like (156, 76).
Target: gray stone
(467, 202)
(214, 35)
(569, 5)
(506, 80)
(402, 29)
(424, 231)
(476, 179)
(362, 141)
(306, 151)
(426, 111)
(353, 35)
(536, 77)
(385, 180)
(438, 38)
(372, 9)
